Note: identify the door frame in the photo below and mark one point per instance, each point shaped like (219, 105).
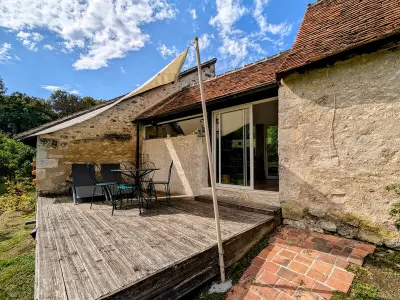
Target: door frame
(214, 144)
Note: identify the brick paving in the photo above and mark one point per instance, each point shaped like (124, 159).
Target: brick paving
(299, 264)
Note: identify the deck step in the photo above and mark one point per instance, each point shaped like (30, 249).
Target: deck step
(252, 207)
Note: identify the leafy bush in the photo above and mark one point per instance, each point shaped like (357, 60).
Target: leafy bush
(20, 196)
(395, 211)
(15, 159)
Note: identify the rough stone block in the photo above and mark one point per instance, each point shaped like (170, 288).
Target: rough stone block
(328, 226)
(371, 237)
(347, 231)
(46, 163)
(317, 210)
(293, 210)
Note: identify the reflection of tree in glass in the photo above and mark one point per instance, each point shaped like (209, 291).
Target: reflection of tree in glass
(272, 144)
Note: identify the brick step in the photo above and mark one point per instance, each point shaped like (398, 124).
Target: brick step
(252, 207)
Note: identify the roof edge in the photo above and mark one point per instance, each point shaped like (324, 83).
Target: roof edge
(361, 48)
(28, 133)
(209, 101)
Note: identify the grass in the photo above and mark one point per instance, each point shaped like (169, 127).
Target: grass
(17, 257)
(377, 279)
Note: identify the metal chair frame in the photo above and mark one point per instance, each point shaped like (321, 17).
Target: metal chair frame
(80, 178)
(105, 186)
(165, 184)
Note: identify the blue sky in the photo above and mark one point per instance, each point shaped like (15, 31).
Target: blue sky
(104, 48)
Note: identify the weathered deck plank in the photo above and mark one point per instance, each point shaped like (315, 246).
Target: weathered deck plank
(49, 282)
(86, 253)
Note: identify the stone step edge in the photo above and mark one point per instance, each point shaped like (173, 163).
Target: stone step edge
(268, 210)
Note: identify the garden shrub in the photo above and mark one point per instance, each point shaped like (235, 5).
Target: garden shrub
(395, 211)
(20, 196)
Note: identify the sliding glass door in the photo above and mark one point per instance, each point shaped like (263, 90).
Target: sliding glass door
(233, 147)
(245, 146)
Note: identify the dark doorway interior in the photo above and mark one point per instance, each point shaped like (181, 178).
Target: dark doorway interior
(266, 160)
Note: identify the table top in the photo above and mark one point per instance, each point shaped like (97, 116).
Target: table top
(134, 170)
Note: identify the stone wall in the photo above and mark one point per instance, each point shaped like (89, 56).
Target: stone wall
(339, 147)
(190, 171)
(108, 137)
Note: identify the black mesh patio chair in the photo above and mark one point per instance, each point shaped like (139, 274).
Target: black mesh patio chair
(128, 164)
(95, 175)
(147, 179)
(165, 184)
(80, 178)
(124, 184)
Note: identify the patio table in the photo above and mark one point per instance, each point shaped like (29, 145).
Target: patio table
(137, 174)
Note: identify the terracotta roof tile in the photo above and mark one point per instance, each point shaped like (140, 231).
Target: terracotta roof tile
(333, 26)
(248, 77)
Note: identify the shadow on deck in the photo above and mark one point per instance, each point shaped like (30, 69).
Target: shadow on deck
(163, 253)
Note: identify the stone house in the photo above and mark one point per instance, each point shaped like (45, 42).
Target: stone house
(109, 136)
(311, 130)
(339, 102)
(334, 97)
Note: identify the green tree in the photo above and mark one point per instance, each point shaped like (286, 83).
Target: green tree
(20, 112)
(15, 159)
(65, 103)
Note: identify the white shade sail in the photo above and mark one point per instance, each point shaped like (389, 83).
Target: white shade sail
(168, 74)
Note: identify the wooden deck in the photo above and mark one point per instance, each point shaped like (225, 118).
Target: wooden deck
(167, 251)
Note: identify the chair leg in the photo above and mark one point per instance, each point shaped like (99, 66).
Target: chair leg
(91, 202)
(155, 191)
(138, 201)
(169, 194)
(111, 198)
(149, 192)
(74, 197)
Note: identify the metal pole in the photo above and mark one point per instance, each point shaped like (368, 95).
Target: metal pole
(210, 164)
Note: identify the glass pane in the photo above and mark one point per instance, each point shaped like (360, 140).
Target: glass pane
(173, 129)
(233, 148)
(272, 150)
(217, 148)
(247, 152)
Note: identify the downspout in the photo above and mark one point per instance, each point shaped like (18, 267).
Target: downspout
(137, 144)
(137, 123)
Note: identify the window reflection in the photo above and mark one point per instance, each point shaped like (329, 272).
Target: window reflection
(174, 129)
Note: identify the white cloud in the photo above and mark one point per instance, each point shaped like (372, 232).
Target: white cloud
(48, 47)
(74, 92)
(122, 70)
(190, 58)
(99, 30)
(29, 39)
(205, 41)
(237, 46)
(193, 13)
(282, 29)
(258, 14)
(53, 88)
(5, 55)
(69, 46)
(229, 11)
(204, 4)
(168, 52)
